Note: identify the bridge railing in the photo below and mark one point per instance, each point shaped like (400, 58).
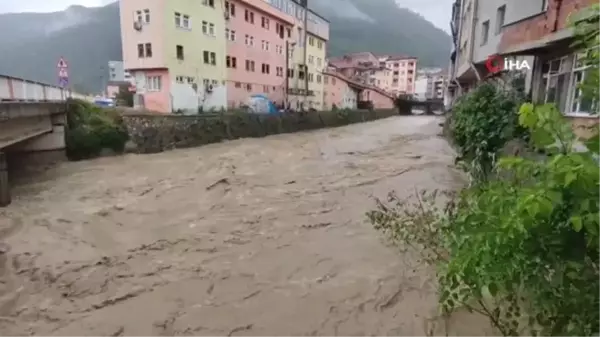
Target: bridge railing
(18, 89)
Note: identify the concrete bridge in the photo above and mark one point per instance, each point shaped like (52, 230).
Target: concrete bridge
(32, 123)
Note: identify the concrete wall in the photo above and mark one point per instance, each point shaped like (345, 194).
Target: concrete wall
(155, 133)
(185, 98)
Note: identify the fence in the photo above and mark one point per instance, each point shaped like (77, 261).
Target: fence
(18, 89)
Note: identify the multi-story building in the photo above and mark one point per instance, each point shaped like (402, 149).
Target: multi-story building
(477, 27)
(361, 67)
(316, 53)
(558, 71)
(401, 75)
(212, 54)
(394, 74)
(302, 91)
(257, 39)
(175, 50)
(536, 31)
(343, 92)
(116, 72)
(430, 85)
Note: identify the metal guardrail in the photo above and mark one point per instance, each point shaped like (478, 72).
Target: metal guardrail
(18, 89)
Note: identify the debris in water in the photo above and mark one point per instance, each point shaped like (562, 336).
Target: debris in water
(220, 181)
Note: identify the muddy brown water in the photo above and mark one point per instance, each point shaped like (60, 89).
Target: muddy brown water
(248, 237)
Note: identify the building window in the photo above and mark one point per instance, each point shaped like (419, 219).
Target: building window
(154, 83)
(208, 28)
(555, 82)
(326, 79)
(249, 87)
(210, 58)
(320, 44)
(210, 3)
(264, 23)
(182, 21)
(249, 40)
(290, 73)
(238, 85)
(279, 49)
(319, 61)
(179, 49)
(179, 79)
(231, 62)
(265, 68)
(230, 34)
(230, 8)
(485, 30)
(265, 45)
(249, 65)
(249, 16)
(311, 41)
(265, 88)
(500, 15)
(561, 79)
(142, 16)
(279, 71)
(318, 78)
(144, 50)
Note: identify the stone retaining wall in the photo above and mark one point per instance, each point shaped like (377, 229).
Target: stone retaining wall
(151, 133)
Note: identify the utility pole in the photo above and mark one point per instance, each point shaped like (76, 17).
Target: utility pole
(286, 75)
(289, 51)
(305, 2)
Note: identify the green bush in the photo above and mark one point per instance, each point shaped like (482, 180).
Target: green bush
(482, 121)
(91, 129)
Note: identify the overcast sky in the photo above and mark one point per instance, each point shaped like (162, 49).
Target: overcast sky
(436, 11)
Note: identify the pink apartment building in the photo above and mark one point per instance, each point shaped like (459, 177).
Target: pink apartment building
(401, 79)
(257, 35)
(345, 93)
(394, 74)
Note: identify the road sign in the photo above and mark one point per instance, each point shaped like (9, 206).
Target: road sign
(62, 63)
(63, 82)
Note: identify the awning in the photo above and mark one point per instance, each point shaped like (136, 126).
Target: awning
(540, 46)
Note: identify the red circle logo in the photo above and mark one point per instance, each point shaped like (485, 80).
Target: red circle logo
(494, 63)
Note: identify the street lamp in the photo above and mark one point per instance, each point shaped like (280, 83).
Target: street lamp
(289, 50)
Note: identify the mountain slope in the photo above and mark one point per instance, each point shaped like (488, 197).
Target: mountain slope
(86, 45)
(383, 28)
(90, 37)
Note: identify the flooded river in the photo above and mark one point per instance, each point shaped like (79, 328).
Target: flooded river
(248, 237)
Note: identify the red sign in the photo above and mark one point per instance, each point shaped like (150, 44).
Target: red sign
(494, 63)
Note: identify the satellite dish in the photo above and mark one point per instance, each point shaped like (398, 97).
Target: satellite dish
(137, 25)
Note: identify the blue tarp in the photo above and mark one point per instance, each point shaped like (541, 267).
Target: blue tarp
(261, 104)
